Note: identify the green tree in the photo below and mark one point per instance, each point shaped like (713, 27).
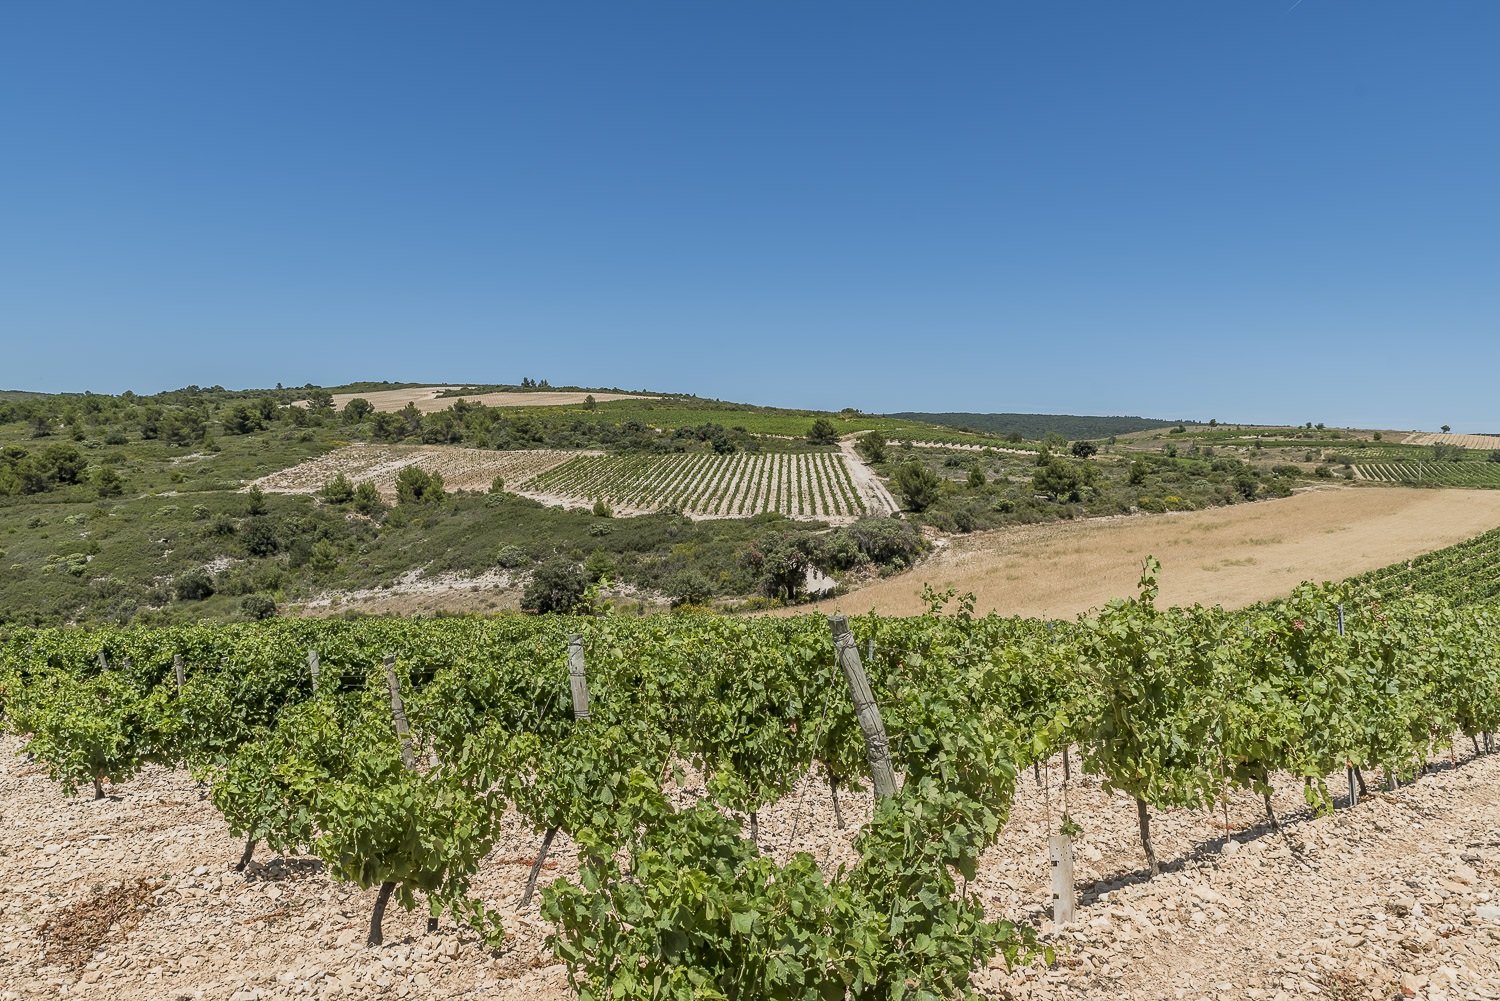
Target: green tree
(871, 446)
(976, 477)
(1062, 480)
(338, 490)
(687, 587)
(367, 499)
(259, 536)
(257, 606)
(918, 486)
(357, 410)
(557, 585)
(108, 482)
(822, 432)
(1085, 449)
(589, 403)
(243, 418)
(1446, 428)
(415, 485)
(64, 463)
(193, 585)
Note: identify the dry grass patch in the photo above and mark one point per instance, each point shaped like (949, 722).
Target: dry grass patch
(77, 930)
(1064, 568)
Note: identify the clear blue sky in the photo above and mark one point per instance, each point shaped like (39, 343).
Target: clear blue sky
(1249, 210)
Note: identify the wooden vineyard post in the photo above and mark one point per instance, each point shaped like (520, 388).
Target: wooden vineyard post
(865, 709)
(103, 664)
(398, 714)
(577, 679)
(1061, 850)
(408, 760)
(312, 668)
(178, 671)
(578, 685)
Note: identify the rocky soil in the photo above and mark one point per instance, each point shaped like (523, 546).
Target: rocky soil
(133, 897)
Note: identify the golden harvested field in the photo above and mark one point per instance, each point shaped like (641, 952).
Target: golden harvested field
(1461, 440)
(461, 468)
(427, 400)
(1232, 556)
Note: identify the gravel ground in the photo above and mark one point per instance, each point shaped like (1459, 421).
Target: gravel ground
(1392, 899)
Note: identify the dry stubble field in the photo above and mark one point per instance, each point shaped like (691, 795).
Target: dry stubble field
(426, 399)
(461, 468)
(1230, 556)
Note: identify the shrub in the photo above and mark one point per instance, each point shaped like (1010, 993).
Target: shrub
(976, 477)
(193, 585)
(497, 485)
(1085, 449)
(687, 587)
(415, 485)
(259, 536)
(602, 510)
(1323, 472)
(108, 482)
(324, 557)
(338, 490)
(258, 606)
(1062, 481)
(512, 558)
(871, 446)
(884, 540)
(557, 585)
(599, 565)
(115, 436)
(367, 499)
(255, 501)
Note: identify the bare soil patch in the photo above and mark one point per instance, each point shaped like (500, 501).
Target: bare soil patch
(1400, 887)
(1232, 556)
(461, 468)
(426, 399)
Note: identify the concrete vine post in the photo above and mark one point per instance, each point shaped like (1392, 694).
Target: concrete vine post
(577, 678)
(1061, 851)
(877, 746)
(178, 671)
(312, 668)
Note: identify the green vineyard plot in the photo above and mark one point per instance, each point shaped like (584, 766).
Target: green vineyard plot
(1448, 474)
(1465, 574)
(737, 485)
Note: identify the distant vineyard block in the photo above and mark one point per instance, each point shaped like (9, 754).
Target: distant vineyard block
(799, 485)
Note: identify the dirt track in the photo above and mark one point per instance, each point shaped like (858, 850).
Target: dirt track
(1232, 556)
